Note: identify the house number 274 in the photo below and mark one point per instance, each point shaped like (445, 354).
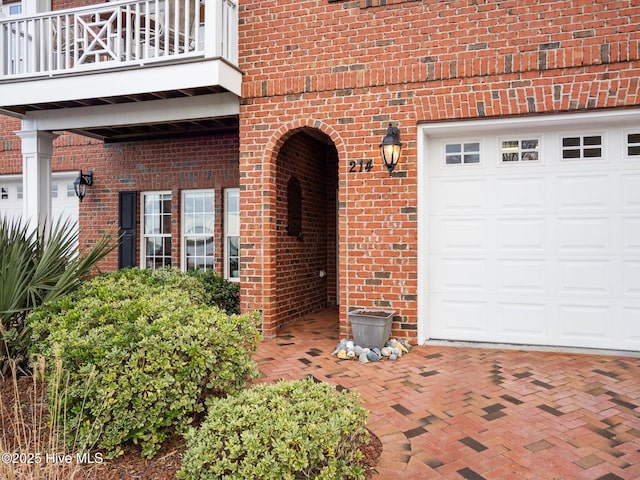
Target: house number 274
(360, 166)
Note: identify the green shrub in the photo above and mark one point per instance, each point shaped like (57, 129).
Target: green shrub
(294, 429)
(154, 350)
(37, 266)
(221, 292)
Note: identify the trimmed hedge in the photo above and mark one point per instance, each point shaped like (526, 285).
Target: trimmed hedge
(153, 350)
(221, 292)
(287, 430)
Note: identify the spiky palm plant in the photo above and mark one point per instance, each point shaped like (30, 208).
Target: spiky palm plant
(37, 265)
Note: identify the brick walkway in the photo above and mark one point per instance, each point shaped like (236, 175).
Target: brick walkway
(467, 413)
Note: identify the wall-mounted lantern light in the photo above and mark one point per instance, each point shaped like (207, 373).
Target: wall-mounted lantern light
(390, 148)
(81, 183)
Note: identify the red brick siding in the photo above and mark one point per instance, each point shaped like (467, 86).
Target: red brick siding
(175, 165)
(348, 70)
(10, 154)
(63, 4)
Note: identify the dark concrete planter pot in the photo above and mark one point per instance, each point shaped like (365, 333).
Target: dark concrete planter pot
(370, 328)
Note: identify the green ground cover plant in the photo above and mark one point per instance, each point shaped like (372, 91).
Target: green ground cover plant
(153, 349)
(288, 430)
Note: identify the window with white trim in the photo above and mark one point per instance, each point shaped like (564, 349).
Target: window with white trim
(582, 147)
(520, 150)
(633, 144)
(11, 8)
(198, 227)
(462, 153)
(156, 229)
(232, 234)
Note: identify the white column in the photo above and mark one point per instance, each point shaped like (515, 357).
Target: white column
(37, 150)
(31, 7)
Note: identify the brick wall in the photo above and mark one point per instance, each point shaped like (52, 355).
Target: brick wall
(347, 68)
(175, 165)
(10, 154)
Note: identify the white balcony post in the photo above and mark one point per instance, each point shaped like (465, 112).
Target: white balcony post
(212, 28)
(37, 150)
(32, 7)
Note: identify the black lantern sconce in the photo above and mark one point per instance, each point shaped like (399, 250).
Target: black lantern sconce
(81, 183)
(390, 148)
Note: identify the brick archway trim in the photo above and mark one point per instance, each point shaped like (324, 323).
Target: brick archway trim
(269, 162)
(282, 134)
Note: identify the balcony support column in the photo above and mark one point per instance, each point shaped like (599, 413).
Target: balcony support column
(32, 7)
(37, 150)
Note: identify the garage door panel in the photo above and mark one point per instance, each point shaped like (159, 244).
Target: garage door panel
(579, 235)
(460, 275)
(460, 234)
(523, 234)
(631, 278)
(520, 195)
(523, 321)
(631, 235)
(64, 203)
(10, 203)
(461, 195)
(467, 319)
(584, 277)
(631, 191)
(521, 276)
(631, 327)
(587, 325)
(584, 193)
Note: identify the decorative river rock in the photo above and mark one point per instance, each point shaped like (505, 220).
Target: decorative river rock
(392, 350)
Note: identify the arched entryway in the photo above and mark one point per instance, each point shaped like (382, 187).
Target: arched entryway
(306, 224)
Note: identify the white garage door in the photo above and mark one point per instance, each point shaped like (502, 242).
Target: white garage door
(64, 203)
(533, 233)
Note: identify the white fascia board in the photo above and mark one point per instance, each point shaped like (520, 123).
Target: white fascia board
(129, 81)
(541, 122)
(136, 113)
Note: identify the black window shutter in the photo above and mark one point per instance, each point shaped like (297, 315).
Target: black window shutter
(127, 229)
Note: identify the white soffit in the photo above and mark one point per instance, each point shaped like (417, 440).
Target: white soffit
(153, 111)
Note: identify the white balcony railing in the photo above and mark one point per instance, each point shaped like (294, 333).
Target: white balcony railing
(118, 34)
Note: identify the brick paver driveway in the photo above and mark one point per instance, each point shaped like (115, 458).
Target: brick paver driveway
(475, 413)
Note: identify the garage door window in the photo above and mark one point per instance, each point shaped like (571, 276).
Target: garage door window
(520, 150)
(633, 144)
(461, 153)
(4, 192)
(582, 147)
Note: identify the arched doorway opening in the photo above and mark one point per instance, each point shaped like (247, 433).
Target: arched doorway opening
(306, 225)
